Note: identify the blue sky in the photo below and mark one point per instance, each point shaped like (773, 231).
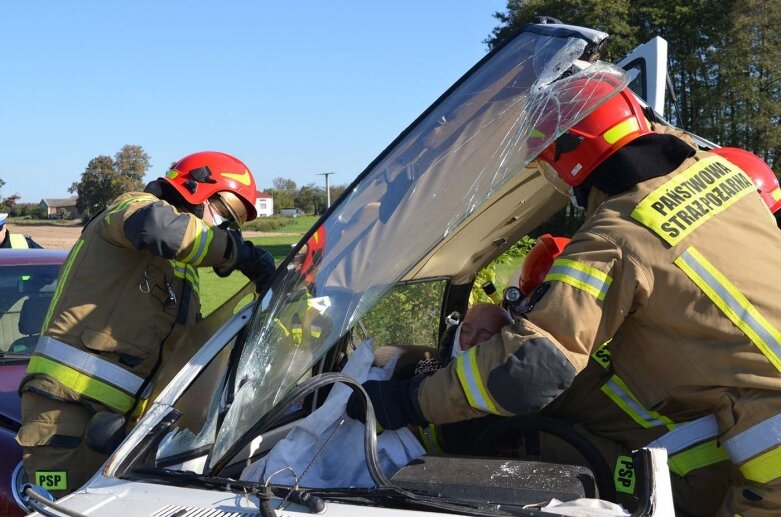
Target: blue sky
(291, 88)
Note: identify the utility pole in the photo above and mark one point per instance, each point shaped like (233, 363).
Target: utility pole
(327, 190)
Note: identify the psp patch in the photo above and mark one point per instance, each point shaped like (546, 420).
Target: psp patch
(52, 479)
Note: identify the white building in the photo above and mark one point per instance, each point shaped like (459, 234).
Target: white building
(264, 204)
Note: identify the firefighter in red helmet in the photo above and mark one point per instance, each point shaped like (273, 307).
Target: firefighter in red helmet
(129, 285)
(693, 335)
(539, 261)
(760, 173)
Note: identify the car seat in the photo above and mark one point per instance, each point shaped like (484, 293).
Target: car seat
(30, 322)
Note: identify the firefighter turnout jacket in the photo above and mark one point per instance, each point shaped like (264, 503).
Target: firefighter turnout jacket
(128, 286)
(674, 272)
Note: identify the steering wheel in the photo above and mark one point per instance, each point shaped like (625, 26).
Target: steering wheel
(295, 395)
(502, 428)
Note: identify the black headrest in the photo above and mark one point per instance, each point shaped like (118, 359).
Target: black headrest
(32, 314)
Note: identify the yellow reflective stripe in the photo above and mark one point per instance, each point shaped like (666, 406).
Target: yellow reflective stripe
(472, 382)
(776, 194)
(124, 204)
(200, 246)
(764, 468)
(620, 393)
(620, 130)
(61, 282)
(702, 455)
(580, 276)
(682, 204)
(187, 273)
(18, 241)
(428, 436)
(732, 303)
(82, 384)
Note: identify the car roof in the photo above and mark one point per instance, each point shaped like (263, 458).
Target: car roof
(17, 257)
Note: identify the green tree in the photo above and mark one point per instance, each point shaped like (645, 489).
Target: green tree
(311, 199)
(132, 163)
(105, 179)
(283, 192)
(723, 58)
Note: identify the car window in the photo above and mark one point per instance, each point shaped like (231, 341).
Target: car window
(25, 294)
(408, 314)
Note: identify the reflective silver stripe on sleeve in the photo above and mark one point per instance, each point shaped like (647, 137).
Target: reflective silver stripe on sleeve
(688, 434)
(754, 440)
(89, 364)
(638, 409)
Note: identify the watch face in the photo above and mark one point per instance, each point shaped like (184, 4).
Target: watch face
(512, 294)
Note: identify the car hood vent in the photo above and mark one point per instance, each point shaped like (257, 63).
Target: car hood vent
(175, 510)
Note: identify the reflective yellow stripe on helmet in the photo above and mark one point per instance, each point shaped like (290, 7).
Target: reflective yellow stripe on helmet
(472, 382)
(580, 276)
(732, 303)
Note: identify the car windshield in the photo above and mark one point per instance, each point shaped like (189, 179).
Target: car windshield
(458, 154)
(25, 293)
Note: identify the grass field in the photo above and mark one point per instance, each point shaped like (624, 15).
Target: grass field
(215, 290)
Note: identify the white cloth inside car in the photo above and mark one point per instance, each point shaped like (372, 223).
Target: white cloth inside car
(342, 463)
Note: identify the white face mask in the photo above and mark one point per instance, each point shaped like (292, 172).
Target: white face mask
(216, 217)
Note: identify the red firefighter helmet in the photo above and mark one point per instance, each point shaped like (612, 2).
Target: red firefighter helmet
(204, 175)
(616, 122)
(539, 261)
(315, 247)
(759, 171)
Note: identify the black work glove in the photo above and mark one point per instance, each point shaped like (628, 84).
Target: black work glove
(256, 263)
(392, 402)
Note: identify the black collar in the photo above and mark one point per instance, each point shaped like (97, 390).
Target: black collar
(646, 157)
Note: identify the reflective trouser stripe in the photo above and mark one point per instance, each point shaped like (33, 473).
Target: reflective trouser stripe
(580, 276)
(764, 468)
(625, 399)
(756, 450)
(18, 241)
(82, 384)
(203, 238)
(89, 364)
(64, 272)
(430, 440)
(688, 434)
(702, 455)
(692, 445)
(472, 382)
(732, 303)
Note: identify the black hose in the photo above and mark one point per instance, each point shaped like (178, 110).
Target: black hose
(297, 393)
(504, 426)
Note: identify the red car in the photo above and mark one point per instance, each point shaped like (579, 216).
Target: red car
(28, 279)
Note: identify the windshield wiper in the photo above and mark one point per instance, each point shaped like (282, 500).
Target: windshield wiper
(191, 479)
(402, 498)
